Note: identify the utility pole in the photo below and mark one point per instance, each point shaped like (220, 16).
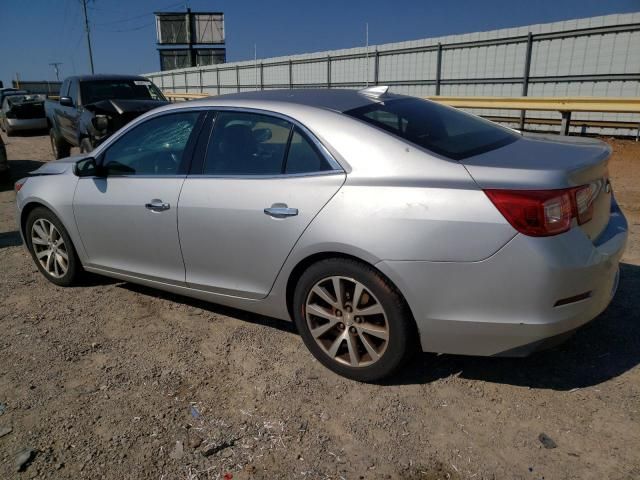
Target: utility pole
(55, 66)
(86, 27)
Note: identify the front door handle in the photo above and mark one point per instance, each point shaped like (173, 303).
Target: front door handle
(280, 210)
(157, 205)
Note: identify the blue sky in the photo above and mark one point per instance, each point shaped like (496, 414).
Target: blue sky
(35, 33)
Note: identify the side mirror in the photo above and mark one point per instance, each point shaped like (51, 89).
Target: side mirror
(87, 167)
(66, 102)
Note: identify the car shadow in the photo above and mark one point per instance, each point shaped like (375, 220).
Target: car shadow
(17, 170)
(263, 320)
(10, 239)
(601, 350)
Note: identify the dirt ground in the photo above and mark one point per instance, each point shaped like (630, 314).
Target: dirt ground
(115, 381)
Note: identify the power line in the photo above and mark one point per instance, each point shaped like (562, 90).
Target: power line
(127, 19)
(56, 66)
(86, 26)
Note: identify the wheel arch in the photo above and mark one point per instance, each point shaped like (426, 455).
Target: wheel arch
(302, 265)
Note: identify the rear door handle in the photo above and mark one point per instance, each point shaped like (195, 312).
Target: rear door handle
(280, 210)
(157, 205)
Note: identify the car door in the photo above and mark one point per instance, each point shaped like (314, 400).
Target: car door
(241, 212)
(127, 217)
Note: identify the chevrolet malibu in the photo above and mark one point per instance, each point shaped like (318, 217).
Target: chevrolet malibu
(380, 224)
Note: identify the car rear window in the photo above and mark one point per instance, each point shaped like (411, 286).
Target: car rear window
(440, 129)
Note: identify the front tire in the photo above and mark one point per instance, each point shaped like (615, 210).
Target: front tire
(51, 248)
(353, 320)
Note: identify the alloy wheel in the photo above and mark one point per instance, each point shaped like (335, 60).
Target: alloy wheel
(49, 248)
(347, 321)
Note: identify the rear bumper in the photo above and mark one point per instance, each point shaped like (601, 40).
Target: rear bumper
(17, 124)
(513, 302)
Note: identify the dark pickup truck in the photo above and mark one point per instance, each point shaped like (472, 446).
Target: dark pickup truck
(93, 107)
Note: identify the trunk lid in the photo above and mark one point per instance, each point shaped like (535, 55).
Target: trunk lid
(543, 162)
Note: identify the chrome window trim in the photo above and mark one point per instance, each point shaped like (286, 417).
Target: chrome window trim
(270, 176)
(138, 176)
(336, 167)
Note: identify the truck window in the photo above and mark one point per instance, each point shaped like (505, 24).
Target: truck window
(98, 90)
(73, 91)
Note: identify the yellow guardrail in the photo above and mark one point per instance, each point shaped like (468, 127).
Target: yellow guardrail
(559, 104)
(565, 105)
(184, 96)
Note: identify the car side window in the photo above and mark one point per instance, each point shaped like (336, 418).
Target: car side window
(303, 156)
(155, 147)
(245, 143)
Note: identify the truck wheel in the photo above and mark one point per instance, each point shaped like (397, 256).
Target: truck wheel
(85, 146)
(60, 148)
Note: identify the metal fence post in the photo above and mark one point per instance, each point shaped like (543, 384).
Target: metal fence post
(290, 74)
(328, 71)
(186, 82)
(438, 68)
(376, 68)
(173, 81)
(218, 79)
(525, 76)
(201, 85)
(238, 77)
(261, 76)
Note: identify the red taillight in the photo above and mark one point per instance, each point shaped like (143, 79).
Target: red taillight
(541, 213)
(584, 203)
(18, 185)
(538, 213)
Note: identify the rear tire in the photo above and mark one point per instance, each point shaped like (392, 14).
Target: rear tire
(59, 147)
(365, 332)
(51, 248)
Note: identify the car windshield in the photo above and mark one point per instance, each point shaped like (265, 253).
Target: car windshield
(440, 129)
(97, 90)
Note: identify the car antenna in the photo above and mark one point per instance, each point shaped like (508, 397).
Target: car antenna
(375, 92)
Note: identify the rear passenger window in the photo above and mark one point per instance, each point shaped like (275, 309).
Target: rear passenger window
(247, 144)
(303, 157)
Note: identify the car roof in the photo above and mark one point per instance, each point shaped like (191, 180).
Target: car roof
(106, 77)
(339, 100)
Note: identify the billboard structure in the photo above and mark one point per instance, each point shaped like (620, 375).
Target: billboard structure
(190, 39)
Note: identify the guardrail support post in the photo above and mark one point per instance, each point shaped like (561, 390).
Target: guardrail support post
(238, 77)
(566, 121)
(290, 74)
(438, 68)
(525, 76)
(261, 76)
(218, 79)
(376, 68)
(186, 83)
(328, 71)
(201, 85)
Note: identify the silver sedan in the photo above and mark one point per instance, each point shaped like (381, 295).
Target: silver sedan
(380, 224)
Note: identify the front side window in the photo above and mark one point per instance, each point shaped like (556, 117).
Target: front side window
(155, 147)
(442, 130)
(247, 144)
